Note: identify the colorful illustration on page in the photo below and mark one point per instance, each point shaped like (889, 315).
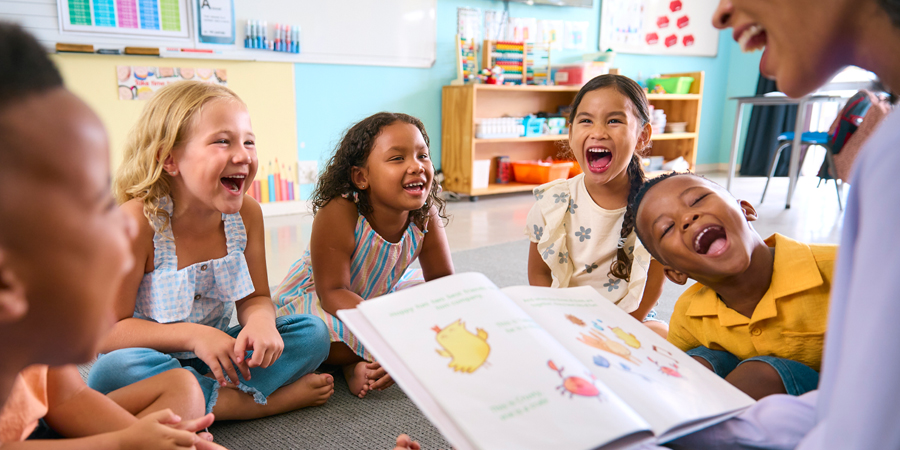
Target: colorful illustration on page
(467, 351)
(666, 362)
(599, 341)
(576, 385)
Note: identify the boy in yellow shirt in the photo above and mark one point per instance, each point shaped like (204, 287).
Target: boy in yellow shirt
(757, 314)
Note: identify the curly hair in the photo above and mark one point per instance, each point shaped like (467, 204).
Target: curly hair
(621, 266)
(164, 123)
(353, 151)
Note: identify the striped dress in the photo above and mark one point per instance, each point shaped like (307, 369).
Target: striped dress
(377, 267)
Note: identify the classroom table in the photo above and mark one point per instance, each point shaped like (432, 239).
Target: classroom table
(800, 124)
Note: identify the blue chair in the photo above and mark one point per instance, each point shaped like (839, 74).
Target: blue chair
(808, 138)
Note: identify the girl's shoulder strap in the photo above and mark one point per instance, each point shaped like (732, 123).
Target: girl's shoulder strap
(235, 232)
(164, 256)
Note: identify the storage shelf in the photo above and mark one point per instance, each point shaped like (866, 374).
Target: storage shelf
(462, 107)
(672, 136)
(504, 188)
(530, 88)
(673, 96)
(541, 138)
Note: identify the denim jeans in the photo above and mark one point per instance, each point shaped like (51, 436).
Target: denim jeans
(797, 377)
(306, 345)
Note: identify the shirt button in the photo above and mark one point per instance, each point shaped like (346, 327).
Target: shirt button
(197, 297)
(203, 267)
(756, 331)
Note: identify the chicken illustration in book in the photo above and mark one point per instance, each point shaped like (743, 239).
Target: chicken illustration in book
(467, 351)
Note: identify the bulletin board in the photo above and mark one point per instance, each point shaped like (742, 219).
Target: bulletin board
(365, 32)
(659, 27)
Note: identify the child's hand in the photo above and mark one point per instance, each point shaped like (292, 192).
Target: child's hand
(163, 430)
(263, 338)
(216, 348)
(379, 379)
(405, 443)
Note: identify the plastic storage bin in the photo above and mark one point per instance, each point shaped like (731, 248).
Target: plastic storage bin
(534, 126)
(672, 85)
(540, 172)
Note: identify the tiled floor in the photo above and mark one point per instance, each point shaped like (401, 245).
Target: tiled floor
(813, 217)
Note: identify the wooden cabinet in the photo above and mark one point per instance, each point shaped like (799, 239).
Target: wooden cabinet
(463, 105)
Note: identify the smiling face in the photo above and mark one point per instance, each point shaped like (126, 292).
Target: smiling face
(398, 172)
(67, 242)
(695, 227)
(803, 40)
(217, 162)
(604, 135)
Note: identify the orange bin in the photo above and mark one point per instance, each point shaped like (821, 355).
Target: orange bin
(540, 172)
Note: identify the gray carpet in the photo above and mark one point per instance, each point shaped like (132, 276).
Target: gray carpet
(374, 422)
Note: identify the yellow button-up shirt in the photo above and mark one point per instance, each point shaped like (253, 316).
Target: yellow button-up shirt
(788, 322)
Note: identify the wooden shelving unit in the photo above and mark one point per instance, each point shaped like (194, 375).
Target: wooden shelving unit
(462, 105)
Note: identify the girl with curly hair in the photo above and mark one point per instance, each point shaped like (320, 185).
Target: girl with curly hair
(376, 210)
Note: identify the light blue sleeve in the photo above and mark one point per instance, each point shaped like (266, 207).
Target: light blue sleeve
(859, 403)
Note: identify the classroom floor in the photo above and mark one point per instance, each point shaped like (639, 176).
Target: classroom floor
(813, 217)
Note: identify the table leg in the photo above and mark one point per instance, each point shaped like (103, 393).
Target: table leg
(735, 142)
(794, 169)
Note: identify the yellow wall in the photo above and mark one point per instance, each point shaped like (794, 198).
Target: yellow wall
(266, 88)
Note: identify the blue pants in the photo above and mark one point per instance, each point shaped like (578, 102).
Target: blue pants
(797, 377)
(306, 345)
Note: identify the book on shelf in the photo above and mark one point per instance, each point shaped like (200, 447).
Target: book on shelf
(537, 368)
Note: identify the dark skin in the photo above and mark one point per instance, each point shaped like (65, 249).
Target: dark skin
(669, 219)
(399, 156)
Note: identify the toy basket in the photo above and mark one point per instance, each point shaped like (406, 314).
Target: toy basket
(540, 172)
(672, 85)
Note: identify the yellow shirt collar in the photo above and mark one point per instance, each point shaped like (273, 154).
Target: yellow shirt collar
(794, 270)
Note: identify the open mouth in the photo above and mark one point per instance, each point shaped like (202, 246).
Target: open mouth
(598, 159)
(710, 241)
(415, 188)
(233, 183)
(751, 38)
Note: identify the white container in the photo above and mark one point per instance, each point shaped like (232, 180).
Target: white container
(481, 173)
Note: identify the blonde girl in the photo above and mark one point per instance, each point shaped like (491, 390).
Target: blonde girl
(200, 256)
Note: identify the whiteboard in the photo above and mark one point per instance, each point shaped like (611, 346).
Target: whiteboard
(365, 32)
(659, 27)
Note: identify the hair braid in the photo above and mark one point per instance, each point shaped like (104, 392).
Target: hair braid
(621, 266)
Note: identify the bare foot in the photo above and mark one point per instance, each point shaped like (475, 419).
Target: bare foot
(312, 389)
(378, 377)
(357, 380)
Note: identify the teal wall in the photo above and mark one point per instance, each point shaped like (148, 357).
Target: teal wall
(743, 75)
(330, 98)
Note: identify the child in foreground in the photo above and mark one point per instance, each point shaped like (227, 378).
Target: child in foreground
(757, 314)
(200, 253)
(377, 210)
(64, 251)
(581, 229)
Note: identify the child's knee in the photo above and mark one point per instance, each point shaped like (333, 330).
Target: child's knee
(309, 333)
(183, 385)
(126, 366)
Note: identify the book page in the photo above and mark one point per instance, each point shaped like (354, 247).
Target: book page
(503, 380)
(663, 384)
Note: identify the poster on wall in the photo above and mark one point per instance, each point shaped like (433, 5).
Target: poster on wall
(659, 27)
(159, 18)
(215, 20)
(141, 82)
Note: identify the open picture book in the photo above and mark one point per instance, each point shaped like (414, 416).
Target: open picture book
(537, 368)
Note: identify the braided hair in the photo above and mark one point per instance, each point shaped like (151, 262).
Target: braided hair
(621, 266)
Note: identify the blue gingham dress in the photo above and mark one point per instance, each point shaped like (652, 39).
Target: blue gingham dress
(202, 293)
